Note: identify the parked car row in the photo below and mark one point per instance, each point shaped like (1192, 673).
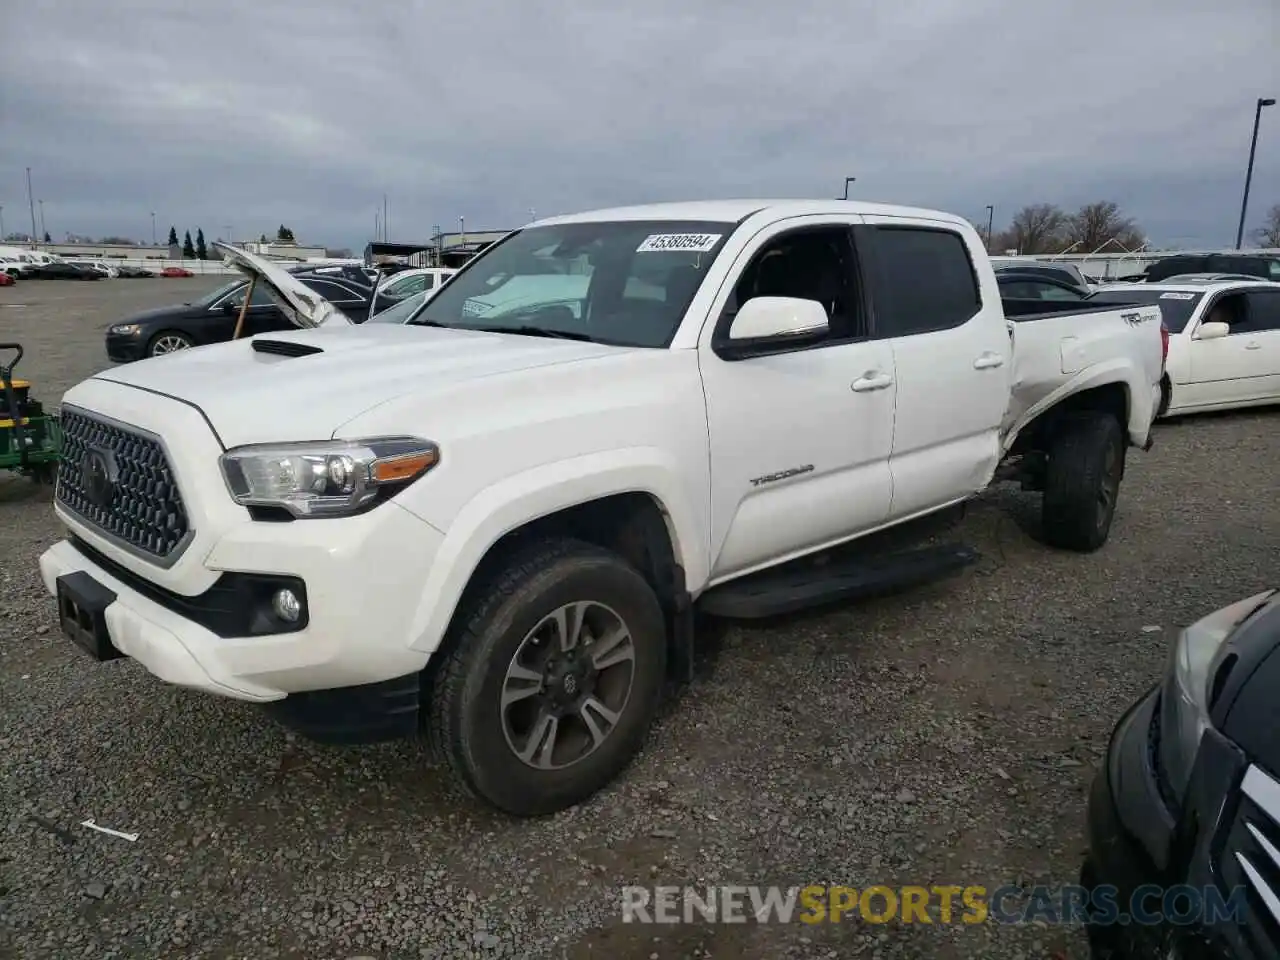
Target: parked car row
(81, 270)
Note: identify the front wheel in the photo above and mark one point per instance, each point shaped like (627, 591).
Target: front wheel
(551, 678)
(168, 342)
(1082, 481)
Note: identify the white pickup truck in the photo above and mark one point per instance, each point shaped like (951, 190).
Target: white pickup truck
(495, 521)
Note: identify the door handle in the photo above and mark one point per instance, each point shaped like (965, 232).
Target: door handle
(988, 361)
(1253, 346)
(872, 380)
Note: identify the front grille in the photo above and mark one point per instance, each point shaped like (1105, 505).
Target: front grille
(138, 503)
(1251, 859)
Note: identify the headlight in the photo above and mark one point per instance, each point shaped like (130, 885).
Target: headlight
(127, 329)
(326, 478)
(1184, 708)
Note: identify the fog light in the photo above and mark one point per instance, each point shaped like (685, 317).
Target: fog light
(286, 605)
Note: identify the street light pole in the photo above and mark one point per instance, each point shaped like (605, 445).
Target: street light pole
(847, 181)
(1248, 177)
(1, 223)
(32, 204)
(991, 219)
(153, 228)
(44, 231)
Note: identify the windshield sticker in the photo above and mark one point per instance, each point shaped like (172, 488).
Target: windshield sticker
(1177, 296)
(474, 308)
(679, 242)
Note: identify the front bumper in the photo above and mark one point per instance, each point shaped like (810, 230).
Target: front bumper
(1130, 831)
(123, 348)
(363, 577)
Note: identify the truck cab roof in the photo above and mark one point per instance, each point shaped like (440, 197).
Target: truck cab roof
(734, 211)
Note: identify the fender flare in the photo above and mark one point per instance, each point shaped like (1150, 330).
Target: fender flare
(1118, 372)
(515, 501)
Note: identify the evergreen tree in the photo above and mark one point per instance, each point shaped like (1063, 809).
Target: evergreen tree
(173, 237)
(188, 251)
(47, 238)
(202, 252)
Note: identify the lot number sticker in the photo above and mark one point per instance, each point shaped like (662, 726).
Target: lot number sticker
(1177, 296)
(679, 242)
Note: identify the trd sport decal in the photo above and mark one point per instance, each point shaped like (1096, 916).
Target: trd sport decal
(1133, 319)
(782, 475)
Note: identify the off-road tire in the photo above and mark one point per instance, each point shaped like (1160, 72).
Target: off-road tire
(464, 723)
(1086, 459)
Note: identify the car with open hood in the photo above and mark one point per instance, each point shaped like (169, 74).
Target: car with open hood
(213, 318)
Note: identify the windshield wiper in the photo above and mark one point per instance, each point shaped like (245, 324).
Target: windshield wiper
(531, 331)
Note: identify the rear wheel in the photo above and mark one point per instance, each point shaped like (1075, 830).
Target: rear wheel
(1082, 481)
(551, 678)
(168, 341)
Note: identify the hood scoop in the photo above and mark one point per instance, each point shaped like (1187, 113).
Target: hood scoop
(284, 348)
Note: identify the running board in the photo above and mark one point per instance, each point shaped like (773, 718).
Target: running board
(772, 593)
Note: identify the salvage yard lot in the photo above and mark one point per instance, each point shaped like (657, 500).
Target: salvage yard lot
(943, 736)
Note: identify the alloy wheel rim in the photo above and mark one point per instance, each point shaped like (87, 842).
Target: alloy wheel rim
(168, 345)
(567, 685)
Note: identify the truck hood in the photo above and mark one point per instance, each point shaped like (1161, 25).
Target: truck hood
(300, 304)
(305, 384)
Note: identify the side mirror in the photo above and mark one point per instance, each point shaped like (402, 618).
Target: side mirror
(1213, 331)
(229, 307)
(766, 317)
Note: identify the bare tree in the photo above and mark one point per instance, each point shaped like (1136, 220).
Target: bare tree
(1268, 235)
(1038, 228)
(1097, 224)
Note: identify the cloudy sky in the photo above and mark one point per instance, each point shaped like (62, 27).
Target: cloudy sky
(249, 113)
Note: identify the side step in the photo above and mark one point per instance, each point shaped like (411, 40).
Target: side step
(788, 589)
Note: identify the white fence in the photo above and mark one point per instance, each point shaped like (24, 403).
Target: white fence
(198, 267)
(1106, 266)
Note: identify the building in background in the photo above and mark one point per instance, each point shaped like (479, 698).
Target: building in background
(283, 250)
(442, 250)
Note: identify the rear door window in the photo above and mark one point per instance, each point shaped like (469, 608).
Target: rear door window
(925, 281)
(1264, 310)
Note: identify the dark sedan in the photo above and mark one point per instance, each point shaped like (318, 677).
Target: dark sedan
(212, 318)
(63, 271)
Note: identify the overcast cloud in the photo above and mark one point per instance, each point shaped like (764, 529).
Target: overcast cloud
(250, 113)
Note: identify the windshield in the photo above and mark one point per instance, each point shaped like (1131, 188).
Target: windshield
(627, 283)
(222, 291)
(1176, 306)
(400, 312)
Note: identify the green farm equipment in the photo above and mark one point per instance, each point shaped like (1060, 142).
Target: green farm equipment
(30, 439)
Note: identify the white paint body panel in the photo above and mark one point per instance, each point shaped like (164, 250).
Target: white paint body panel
(528, 426)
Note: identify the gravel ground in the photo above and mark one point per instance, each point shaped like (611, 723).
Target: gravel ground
(946, 735)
